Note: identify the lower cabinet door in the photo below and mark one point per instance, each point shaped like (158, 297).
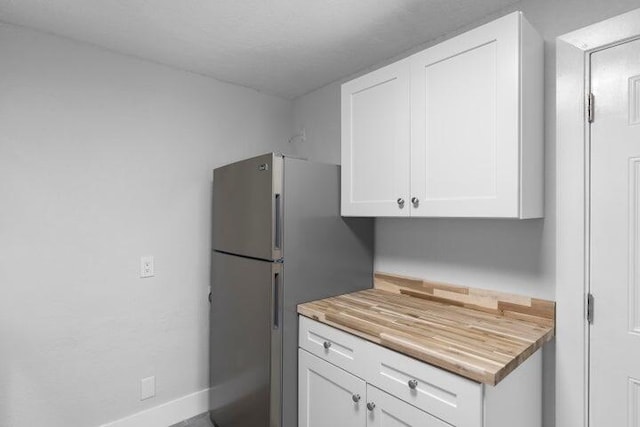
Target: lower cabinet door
(329, 396)
(384, 410)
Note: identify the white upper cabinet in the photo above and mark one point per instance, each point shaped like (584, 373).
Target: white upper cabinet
(476, 123)
(476, 129)
(376, 143)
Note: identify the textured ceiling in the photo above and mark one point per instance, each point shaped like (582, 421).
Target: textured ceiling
(282, 47)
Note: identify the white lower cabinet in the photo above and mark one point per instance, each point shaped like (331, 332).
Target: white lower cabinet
(385, 410)
(344, 380)
(328, 395)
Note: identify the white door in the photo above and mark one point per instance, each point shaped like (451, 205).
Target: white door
(388, 411)
(375, 143)
(615, 237)
(465, 124)
(327, 395)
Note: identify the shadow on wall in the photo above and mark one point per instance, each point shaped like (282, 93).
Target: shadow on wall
(516, 256)
(499, 246)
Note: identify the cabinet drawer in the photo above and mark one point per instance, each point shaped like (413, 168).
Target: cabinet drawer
(340, 348)
(387, 410)
(454, 399)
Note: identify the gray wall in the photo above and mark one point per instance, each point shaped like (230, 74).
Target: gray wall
(104, 158)
(509, 255)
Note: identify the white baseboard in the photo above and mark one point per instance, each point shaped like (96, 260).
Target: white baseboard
(168, 413)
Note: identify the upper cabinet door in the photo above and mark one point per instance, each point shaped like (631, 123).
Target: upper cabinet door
(476, 112)
(376, 143)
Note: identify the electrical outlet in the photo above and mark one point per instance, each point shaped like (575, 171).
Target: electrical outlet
(146, 266)
(147, 388)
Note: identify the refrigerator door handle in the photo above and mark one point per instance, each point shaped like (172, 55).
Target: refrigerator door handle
(275, 299)
(277, 304)
(277, 240)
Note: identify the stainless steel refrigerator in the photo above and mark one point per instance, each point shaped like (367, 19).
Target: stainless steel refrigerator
(279, 240)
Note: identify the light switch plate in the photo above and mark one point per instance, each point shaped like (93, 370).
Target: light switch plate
(146, 266)
(147, 388)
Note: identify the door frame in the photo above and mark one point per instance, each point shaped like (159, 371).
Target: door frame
(573, 138)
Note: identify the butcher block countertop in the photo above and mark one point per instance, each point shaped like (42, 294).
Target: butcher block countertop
(478, 334)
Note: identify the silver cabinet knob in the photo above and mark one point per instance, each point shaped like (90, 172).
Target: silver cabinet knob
(327, 344)
(355, 398)
(400, 202)
(415, 201)
(371, 406)
(413, 384)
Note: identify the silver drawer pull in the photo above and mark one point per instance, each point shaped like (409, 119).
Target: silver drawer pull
(371, 406)
(400, 202)
(413, 384)
(355, 398)
(326, 345)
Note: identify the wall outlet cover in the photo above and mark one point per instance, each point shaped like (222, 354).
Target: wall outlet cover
(147, 388)
(146, 266)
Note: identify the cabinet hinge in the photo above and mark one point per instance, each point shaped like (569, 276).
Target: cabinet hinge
(590, 308)
(590, 107)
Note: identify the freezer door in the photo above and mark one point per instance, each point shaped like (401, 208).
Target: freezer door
(246, 318)
(247, 207)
